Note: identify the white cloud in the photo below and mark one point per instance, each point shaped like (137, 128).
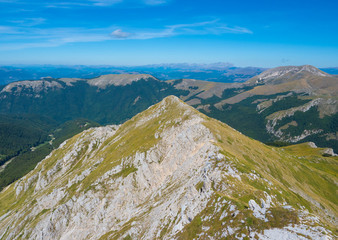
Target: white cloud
(236, 29)
(118, 33)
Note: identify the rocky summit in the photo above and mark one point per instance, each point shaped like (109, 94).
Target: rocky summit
(171, 172)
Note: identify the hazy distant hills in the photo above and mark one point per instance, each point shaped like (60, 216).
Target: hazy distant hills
(219, 72)
(216, 72)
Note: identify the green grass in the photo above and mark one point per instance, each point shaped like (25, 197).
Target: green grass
(199, 186)
(125, 172)
(192, 229)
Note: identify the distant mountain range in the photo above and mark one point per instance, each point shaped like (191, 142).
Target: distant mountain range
(219, 72)
(216, 72)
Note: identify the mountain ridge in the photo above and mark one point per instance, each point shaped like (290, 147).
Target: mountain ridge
(100, 82)
(184, 175)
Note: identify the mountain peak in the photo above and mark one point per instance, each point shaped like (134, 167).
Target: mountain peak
(170, 109)
(173, 100)
(287, 73)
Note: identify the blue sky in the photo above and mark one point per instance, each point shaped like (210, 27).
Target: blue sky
(264, 33)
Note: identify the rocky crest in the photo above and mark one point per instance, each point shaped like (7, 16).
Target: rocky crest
(288, 72)
(118, 79)
(46, 84)
(34, 86)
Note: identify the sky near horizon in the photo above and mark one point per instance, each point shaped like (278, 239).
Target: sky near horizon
(262, 33)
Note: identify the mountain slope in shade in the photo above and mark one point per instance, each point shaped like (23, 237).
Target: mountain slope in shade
(46, 84)
(112, 98)
(173, 173)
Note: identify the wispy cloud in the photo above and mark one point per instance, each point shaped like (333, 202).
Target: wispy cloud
(20, 5)
(102, 3)
(28, 22)
(235, 29)
(200, 28)
(15, 38)
(8, 30)
(155, 2)
(27, 37)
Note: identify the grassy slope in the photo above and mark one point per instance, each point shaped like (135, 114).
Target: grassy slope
(311, 175)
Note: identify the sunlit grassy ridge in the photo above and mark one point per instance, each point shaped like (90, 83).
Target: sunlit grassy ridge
(301, 168)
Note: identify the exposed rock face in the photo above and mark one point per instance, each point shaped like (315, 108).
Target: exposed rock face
(329, 152)
(277, 116)
(153, 177)
(118, 79)
(273, 119)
